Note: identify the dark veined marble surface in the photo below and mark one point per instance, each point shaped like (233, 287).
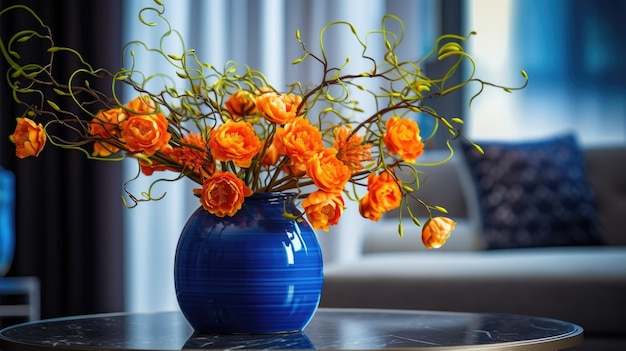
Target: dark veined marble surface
(330, 329)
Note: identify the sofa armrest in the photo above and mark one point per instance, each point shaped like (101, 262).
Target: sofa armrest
(606, 169)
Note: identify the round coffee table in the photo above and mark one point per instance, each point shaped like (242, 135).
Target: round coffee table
(330, 329)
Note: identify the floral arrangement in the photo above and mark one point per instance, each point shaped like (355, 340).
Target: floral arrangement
(236, 134)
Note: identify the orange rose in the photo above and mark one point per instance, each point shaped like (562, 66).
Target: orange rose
(384, 194)
(105, 125)
(279, 109)
(367, 210)
(323, 209)
(145, 133)
(436, 231)
(223, 194)
(29, 138)
(301, 141)
(403, 138)
(234, 141)
(141, 105)
(241, 104)
(327, 171)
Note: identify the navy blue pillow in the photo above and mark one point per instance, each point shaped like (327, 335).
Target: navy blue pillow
(533, 194)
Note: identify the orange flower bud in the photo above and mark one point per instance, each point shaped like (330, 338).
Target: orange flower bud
(436, 231)
(145, 133)
(327, 171)
(323, 209)
(241, 104)
(279, 109)
(402, 138)
(234, 141)
(29, 138)
(223, 194)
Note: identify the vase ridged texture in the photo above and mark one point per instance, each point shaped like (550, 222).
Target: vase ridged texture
(256, 272)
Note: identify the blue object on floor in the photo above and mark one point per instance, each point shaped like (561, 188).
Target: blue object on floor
(7, 229)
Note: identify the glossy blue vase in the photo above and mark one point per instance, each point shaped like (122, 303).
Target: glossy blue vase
(257, 272)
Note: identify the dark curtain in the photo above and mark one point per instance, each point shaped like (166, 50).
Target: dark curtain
(68, 209)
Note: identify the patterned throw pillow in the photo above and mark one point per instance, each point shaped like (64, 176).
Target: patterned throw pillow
(533, 194)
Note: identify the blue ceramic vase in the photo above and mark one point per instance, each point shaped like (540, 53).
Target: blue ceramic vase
(257, 272)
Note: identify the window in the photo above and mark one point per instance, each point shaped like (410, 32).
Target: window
(573, 53)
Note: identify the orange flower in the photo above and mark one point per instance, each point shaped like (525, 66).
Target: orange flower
(241, 104)
(327, 171)
(367, 210)
(274, 151)
(301, 141)
(323, 209)
(193, 158)
(234, 141)
(351, 151)
(103, 149)
(384, 194)
(29, 138)
(403, 138)
(223, 194)
(279, 109)
(149, 167)
(141, 105)
(145, 133)
(436, 231)
(105, 125)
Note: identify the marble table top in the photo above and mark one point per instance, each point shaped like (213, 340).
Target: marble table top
(330, 329)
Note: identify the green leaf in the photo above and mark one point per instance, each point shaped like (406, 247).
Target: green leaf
(53, 105)
(457, 120)
(441, 209)
(480, 149)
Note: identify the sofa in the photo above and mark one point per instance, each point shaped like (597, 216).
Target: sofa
(583, 282)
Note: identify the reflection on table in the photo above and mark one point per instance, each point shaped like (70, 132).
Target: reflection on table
(337, 329)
